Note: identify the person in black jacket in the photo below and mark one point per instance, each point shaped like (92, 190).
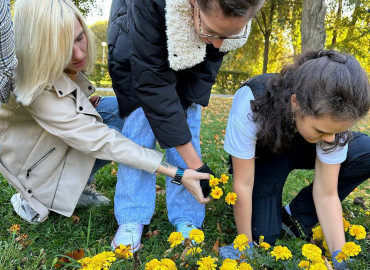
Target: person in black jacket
(164, 56)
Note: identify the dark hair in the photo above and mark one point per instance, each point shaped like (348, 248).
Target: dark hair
(232, 8)
(325, 82)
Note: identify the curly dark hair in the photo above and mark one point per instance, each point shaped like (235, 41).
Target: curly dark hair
(233, 8)
(325, 82)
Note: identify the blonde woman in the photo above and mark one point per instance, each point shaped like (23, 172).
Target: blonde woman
(51, 135)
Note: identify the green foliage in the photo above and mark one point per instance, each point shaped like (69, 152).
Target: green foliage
(100, 76)
(100, 31)
(227, 82)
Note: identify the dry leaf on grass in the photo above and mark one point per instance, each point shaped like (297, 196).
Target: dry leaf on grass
(75, 219)
(216, 246)
(76, 254)
(151, 234)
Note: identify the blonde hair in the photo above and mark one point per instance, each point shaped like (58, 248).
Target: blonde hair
(44, 37)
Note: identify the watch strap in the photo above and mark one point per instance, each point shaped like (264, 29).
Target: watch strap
(178, 176)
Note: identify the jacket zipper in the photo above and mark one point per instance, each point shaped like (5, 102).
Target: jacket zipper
(37, 163)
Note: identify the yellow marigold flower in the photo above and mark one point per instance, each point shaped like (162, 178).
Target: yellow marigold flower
(311, 252)
(281, 253)
(194, 250)
(196, 235)
(175, 239)
(346, 224)
(123, 251)
(357, 231)
(367, 213)
(229, 264)
(341, 257)
(317, 233)
(152, 264)
(304, 264)
(231, 198)
(351, 249)
(224, 178)
(245, 266)
(318, 266)
(326, 248)
(261, 239)
(169, 264)
(102, 260)
(213, 182)
(206, 263)
(15, 228)
(265, 245)
(217, 193)
(240, 242)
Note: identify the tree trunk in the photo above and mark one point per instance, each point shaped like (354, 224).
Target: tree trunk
(337, 23)
(313, 25)
(266, 52)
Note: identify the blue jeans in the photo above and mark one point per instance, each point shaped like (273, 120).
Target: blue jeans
(135, 196)
(108, 110)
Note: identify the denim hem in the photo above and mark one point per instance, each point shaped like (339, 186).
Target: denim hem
(186, 220)
(139, 221)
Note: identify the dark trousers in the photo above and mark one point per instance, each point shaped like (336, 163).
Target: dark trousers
(271, 172)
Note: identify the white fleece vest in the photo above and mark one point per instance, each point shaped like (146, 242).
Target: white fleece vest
(185, 48)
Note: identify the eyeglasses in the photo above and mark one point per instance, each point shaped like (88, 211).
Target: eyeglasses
(201, 33)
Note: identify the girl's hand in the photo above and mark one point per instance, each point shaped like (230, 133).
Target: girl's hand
(190, 180)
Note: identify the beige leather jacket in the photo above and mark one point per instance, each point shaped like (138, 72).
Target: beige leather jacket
(48, 148)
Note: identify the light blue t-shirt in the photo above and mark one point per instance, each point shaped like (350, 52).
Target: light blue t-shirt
(241, 132)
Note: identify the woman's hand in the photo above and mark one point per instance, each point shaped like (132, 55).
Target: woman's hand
(191, 182)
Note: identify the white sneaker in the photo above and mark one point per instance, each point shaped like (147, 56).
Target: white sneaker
(24, 210)
(128, 234)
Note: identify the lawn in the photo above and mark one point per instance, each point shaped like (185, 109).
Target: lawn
(92, 228)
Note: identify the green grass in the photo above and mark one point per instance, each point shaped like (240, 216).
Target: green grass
(96, 226)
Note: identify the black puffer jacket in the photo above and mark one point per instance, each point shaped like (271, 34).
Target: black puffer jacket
(141, 75)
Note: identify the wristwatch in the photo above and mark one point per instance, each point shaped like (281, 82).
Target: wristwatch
(178, 176)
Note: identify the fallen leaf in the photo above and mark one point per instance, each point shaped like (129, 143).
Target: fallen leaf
(175, 257)
(216, 246)
(151, 234)
(219, 227)
(75, 219)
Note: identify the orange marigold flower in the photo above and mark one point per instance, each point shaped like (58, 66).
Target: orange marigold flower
(317, 233)
(265, 245)
(207, 263)
(357, 231)
(217, 193)
(231, 198)
(175, 239)
(304, 264)
(229, 264)
(351, 249)
(196, 235)
(213, 182)
(15, 228)
(245, 266)
(346, 224)
(281, 253)
(241, 242)
(123, 251)
(224, 178)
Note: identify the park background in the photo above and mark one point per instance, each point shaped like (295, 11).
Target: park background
(279, 32)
